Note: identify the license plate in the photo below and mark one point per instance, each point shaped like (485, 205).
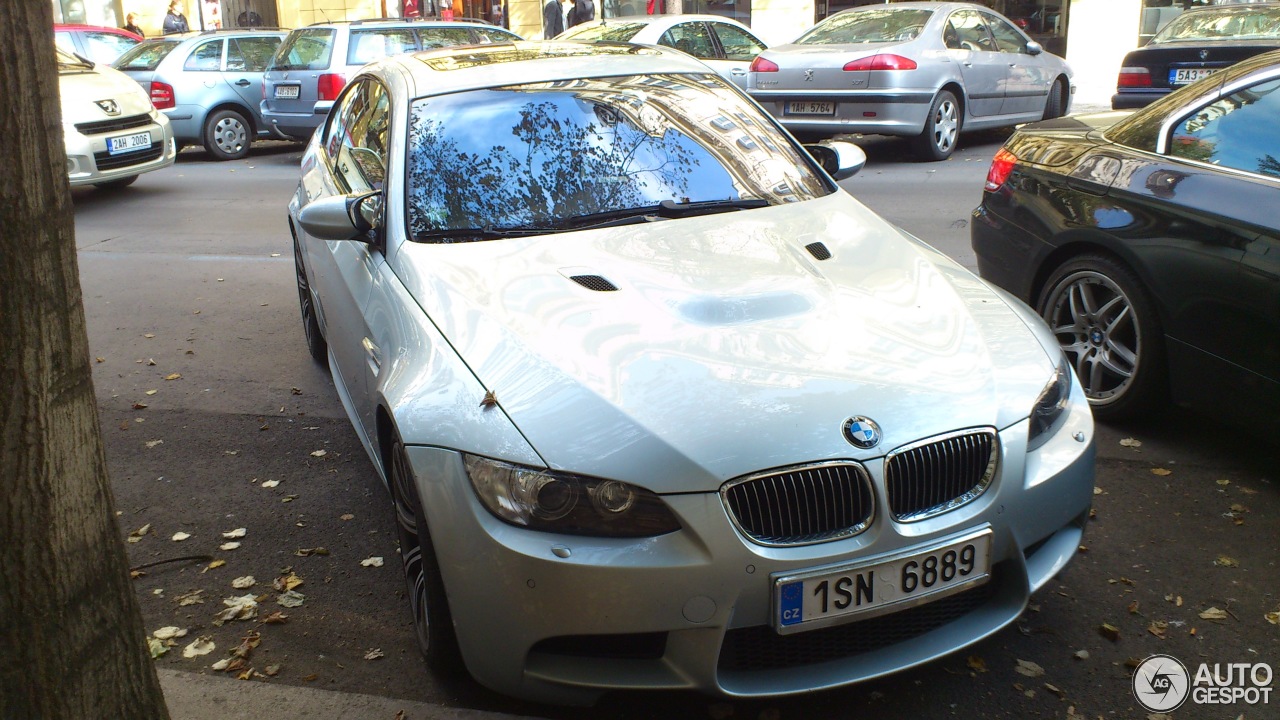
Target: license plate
(827, 596)
(1182, 76)
(806, 107)
(128, 143)
(287, 92)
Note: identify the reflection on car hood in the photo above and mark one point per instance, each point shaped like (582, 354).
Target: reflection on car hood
(81, 92)
(726, 347)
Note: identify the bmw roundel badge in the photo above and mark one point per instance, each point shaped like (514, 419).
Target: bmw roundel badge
(862, 432)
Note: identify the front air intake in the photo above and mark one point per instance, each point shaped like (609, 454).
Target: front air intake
(818, 250)
(594, 282)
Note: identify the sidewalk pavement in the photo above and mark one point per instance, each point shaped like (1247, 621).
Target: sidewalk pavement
(191, 696)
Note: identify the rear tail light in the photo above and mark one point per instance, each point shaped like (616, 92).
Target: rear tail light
(162, 95)
(761, 64)
(880, 62)
(1134, 77)
(329, 85)
(1001, 165)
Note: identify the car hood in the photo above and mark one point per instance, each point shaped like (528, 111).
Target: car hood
(82, 91)
(726, 346)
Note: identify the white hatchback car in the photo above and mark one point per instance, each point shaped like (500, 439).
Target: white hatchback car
(113, 133)
(725, 45)
(659, 404)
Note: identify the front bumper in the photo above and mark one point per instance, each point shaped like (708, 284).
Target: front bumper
(558, 618)
(897, 112)
(89, 162)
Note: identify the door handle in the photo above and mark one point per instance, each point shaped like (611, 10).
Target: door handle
(242, 82)
(737, 71)
(374, 353)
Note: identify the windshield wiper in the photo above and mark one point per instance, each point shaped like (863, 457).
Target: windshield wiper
(664, 209)
(471, 234)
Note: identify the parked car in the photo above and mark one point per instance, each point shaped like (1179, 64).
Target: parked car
(313, 64)
(112, 132)
(658, 404)
(209, 84)
(725, 45)
(99, 44)
(1197, 43)
(1151, 245)
(922, 70)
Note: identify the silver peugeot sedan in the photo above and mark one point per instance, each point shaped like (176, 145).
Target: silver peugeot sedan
(658, 404)
(924, 70)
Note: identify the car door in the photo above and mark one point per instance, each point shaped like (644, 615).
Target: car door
(983, 68)
(1028, 77)
(737, 49)
(247, 59)
(353, 151)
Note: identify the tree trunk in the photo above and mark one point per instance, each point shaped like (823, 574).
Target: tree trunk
(72, 642)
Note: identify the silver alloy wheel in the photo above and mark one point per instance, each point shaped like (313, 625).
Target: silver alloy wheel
(1094, 322)
(945, 125)
(229, 134)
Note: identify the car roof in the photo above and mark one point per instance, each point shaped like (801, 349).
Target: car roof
(650, 19)
(224, 32)
(402, 22)
(919, 6)
(472, 67)
(96, 28)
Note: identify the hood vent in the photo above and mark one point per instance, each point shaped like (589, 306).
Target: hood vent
(594, 282)
(818, 250)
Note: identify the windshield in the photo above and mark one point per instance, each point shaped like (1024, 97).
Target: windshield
(610, 32)
(68, 63)
(563, 155)
(868, 26)
(145, 55)
(1237, 23)
(306, 49)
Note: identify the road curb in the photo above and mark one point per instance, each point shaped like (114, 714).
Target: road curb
(200, 697)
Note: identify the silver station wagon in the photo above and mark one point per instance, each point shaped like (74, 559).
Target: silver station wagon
(659, 405)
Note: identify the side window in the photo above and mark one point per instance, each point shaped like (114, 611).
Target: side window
(1008, 39)
(492, 35)
(438, 37)
(358, 138)
(1237, 131)
(966, 31)
(64, 41)
(691, 37)
(738, 44)
(250, 54)
(370, 45)
(206, 57)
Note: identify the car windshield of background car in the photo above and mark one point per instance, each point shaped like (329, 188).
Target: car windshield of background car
(1230, 24)
(308, 49)
(611, 32)
(145, 55)
(867, 26)
(537, 156)
(1237, 131)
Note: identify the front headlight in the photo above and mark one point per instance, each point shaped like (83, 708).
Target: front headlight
(562, 503)
(1051, 406)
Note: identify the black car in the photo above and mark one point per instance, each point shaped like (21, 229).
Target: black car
(1151, 246)
(1197, 43)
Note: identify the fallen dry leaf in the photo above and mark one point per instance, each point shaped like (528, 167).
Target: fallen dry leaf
(244, 607)
(1223, 481)
(169, 632)
(1081, 654)
(200, 646)
(1273, 617)
(1130, 442)
(247, 644)
(373, 654)
(191, 598)
(1224, 561)
(305, 552)
(489, 399)
(229, 546)
(976, 663)
(213, 565)
(153, 443)
(371, 562)
(271, 670)
(156, 647)
(1109, 631)
(276, 618)
(1054, 689)
(291, 599)
(180, 536)
(136, 535)
(139, 406)
(319, 453)
(243, 582)
(270, 483)
(347, 516)
(1158, 628)
(173, 376)
(1133, 608)
(1213, 613)
(285, 583)
(151, 392)
(149, 335)
(237, 533)
(1028, 668)
(1161, 471)
(221, 664)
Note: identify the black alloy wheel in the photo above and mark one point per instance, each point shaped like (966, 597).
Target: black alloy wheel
(432, 619)
(1108, 327)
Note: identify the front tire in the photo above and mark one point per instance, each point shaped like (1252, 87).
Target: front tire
(227, 135)
(1053, 106)
(432, 620)
(316, 344)
(1107, 325)
(941, 128)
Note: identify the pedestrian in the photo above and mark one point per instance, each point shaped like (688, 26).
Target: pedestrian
(552, 19)
(212, 15)
(582, 11)
(174, 20)
(131, 24)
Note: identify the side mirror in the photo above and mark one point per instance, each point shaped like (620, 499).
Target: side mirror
(1034, 48)
(342, 217)
(840, 159)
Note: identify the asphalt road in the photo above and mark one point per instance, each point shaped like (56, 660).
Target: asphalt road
(216, 419)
